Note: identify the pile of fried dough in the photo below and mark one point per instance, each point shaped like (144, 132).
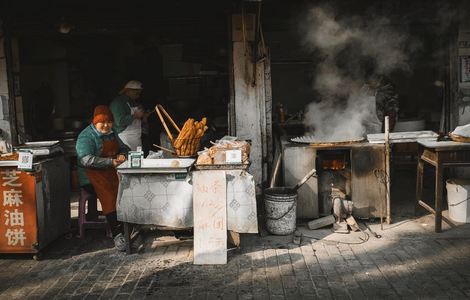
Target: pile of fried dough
(187, 142)
(9, 156)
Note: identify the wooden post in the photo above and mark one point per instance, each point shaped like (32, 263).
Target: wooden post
(387, 168)
(419, 181)
(251, 96)
(438, 196)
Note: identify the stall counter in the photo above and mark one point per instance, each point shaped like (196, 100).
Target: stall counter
(35, 206)
(166, 199)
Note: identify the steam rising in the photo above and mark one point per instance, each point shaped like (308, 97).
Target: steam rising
(346, 108)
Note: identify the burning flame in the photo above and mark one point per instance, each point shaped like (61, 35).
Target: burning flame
(334, 164)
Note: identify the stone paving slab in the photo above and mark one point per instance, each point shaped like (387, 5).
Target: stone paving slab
(409, 261)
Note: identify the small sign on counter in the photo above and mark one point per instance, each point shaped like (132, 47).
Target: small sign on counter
(135, 159)
(25, 160)
(233, 156)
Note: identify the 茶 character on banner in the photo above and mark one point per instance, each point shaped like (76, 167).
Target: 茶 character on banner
(9, 177)
(12, 198)
(15, 218)
(15, 236)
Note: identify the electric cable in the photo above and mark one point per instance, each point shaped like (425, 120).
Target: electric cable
(363, 240)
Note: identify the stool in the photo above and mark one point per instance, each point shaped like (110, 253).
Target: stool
(82, 221)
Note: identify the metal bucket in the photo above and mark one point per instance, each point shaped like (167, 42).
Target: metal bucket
(280, 205)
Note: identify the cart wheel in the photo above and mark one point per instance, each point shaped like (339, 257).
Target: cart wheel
(37, 256)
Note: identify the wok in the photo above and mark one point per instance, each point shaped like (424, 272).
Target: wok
(312, 140)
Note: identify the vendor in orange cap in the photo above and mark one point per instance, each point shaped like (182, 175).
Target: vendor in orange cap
(99, 152)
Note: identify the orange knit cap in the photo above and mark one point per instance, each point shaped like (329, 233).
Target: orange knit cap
(102, 114)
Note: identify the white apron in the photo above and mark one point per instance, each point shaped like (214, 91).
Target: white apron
(132, 135)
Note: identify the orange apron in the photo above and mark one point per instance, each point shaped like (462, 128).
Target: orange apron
(105, 181)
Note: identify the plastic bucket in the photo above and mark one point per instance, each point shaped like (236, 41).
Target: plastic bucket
(458, 193)
(281, 207)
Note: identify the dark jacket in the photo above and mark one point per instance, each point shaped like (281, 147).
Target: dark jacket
(89, 147)
(121, 109)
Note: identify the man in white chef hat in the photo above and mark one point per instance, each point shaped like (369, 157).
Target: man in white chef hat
(128, 114)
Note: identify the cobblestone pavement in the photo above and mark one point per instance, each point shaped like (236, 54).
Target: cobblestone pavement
(408, 262)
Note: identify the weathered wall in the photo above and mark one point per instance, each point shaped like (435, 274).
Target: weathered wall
(249, 106)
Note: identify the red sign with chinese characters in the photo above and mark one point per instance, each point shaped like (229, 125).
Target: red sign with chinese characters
(18, 223)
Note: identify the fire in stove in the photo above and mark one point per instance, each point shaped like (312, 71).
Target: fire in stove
(334, 176)
(333, 160)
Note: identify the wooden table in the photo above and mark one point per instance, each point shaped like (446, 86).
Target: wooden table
(440, 155)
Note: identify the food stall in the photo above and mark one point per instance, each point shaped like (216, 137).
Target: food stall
(161, 191)
(35, 209)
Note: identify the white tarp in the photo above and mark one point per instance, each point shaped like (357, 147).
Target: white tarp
(167, 200)
(160, 199)
(241, 202)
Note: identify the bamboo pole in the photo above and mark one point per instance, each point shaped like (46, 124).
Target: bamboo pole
(168, 132)
(169, 117)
